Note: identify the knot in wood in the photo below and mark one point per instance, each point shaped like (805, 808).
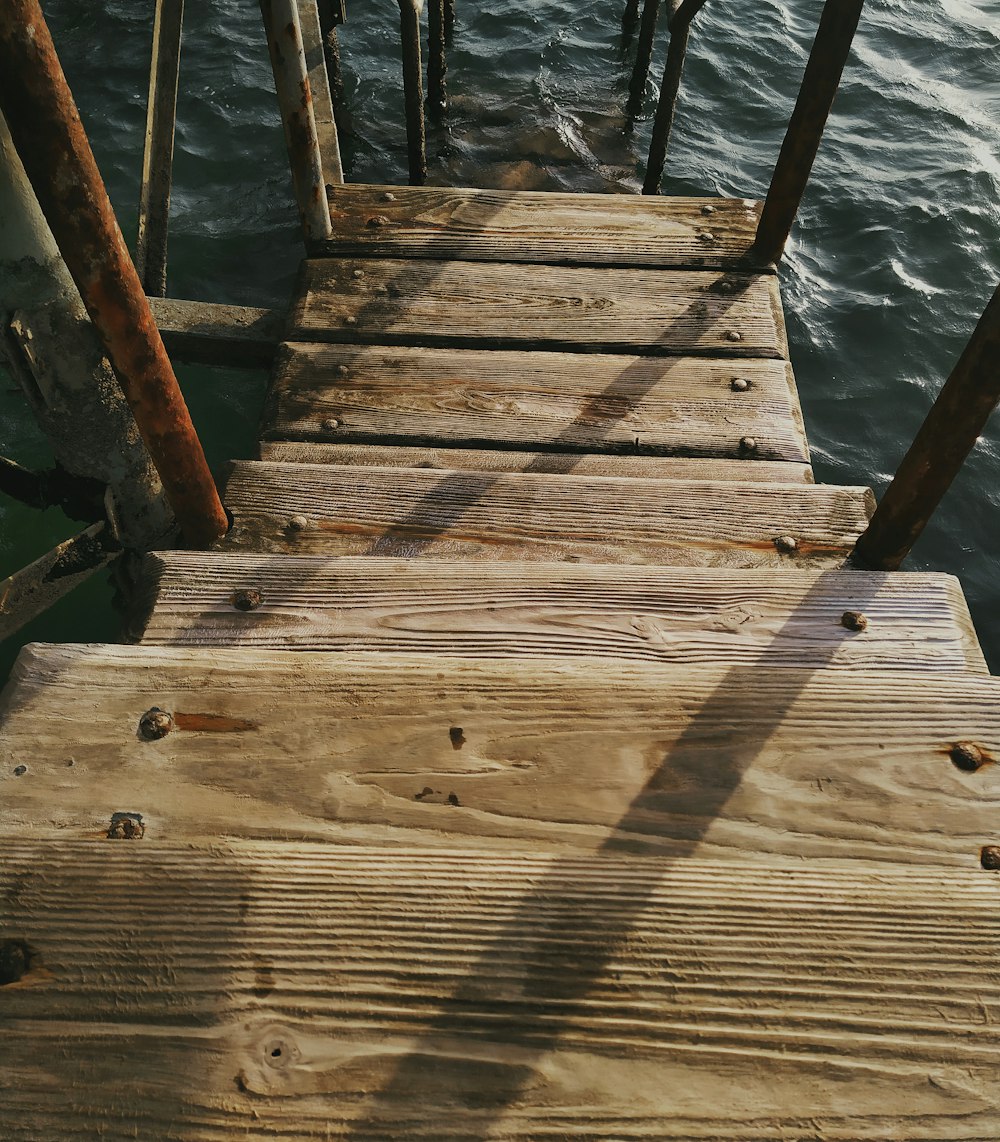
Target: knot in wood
(247, 599)
(854, 620)
(967, 756)
(15, 961)
(155, 724)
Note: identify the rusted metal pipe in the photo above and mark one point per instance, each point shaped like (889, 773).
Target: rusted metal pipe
(437, 58)
(449, 18)
(158, 151)
(643, 56)
(314, 49)
(291, 82)
(331, 16)
(49, 137)
(827, 60)
(413, 89)
(947, 436)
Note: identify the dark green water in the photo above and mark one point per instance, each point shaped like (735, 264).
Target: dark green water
(895, 256)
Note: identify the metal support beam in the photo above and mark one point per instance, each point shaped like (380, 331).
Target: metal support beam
(158, 152)
(319, 87)
(49, 137)
(437, 58)
(413, 89)
(331, 16)
(291, 82)
(827, 60)
(947, 436)
(643, 56)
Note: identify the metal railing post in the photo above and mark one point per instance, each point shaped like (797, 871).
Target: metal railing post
(437, 57)
(158, 151)
(643, 56)
(291, 82)
(413, 89)
(49, 138)
(827, 60)
(947, 436)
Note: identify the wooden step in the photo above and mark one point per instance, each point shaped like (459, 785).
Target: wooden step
(324, 509)
(500, 306)
(532, 226)
(580, 464)
(564, 401)
(740, 763)
(213, 991)
(916, 622)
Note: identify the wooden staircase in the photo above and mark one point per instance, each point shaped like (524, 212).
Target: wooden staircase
(526, 763)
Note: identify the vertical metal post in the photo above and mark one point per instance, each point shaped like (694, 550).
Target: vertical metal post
(643, 55)
(331, 16)
(291, 82)
(947, 436)
(413, 89)
(437, 58)
(49, 137)
(56, 357)
(158, 152)
(449, 18)
(319, 88)
(827, 60)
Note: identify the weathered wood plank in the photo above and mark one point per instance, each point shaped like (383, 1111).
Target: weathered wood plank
(204, 333)
(580, 464)
(914, 622)
(325, 509)
(741, 763)
(273, 991)
(497, 305)
(565, 401)
(533, 226)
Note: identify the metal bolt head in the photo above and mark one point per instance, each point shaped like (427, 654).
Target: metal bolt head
(331, 424)
(341, 370)
(734, 335)
(706, 236)
(376, 221)
(126, 827)
(350, 319)
(708, 209)
(989, 857)
(247, 599)
(967, 756)
(748, 444)
(298, 523)
(854, 620)
(155, 724)
(388, 196)
(359, 273)
(739, 384)
(785, 544)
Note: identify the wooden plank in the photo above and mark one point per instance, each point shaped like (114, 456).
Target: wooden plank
(204, 333)
(274, 991)
(740, 763)
(499, 516)
(484, 460)
(564, 401)
(914, 622)
(534, 226)
(497, 305)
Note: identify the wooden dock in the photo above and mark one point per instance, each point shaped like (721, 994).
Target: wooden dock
(525, 763)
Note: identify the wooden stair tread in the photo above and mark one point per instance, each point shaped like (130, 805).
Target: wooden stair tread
(498, 305)
(280, 991)
(565, 401)
(539, 226)
(527, 515)
(740, 763)
(915, 622)
(496, 460)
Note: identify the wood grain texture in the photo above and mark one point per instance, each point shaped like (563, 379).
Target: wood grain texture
(535, 516)
(532, 226)
(496, 305)
(740, 763)
(273, 991)
(558, 463)
(564, 401)
(915, 622)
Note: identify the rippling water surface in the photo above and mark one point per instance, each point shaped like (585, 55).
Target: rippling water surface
(896, 253)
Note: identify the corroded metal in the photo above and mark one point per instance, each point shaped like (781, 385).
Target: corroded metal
(643, 56)
(827, 60)
(413, 89)
(950, 432)
(437, 57)
(331, 16)
(314, 49)
(158, 152)
(49, 137)
(291, 82)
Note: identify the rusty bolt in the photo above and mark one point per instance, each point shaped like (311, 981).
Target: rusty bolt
(341, 370)
(748, 444)
(20, 770)
(388, 196)
(125, 827)
(708, 209)
(733, 335)
(247, 599)
(785, 544)
(350, 319)
(298, 523)
(989, 857)
(854, 620)
(706, 236)
(155, 724)
(377, 220)
(331, 424)
(739, 384)
(967, 756)
(359, 273)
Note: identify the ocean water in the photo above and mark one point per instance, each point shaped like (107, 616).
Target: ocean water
(895, 255)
